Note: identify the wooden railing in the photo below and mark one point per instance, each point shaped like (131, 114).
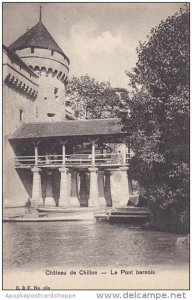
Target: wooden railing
(70, 160)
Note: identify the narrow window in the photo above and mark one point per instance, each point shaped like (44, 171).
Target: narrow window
(21, 114)
(55, 91)
(32, 50)
(52, 52)
(36, 112)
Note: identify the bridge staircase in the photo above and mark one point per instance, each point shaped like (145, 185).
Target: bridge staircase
(128, 214)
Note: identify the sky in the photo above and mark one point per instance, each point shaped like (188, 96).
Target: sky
(100, 39)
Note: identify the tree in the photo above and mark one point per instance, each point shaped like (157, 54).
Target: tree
(159, 119)
(91, 99)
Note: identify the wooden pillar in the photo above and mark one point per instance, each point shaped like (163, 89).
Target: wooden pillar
(36, 143)
(93, 153)
(63, 154)
(36, 155)
(63, 143)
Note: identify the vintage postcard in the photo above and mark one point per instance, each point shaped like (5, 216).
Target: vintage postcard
(96, 146)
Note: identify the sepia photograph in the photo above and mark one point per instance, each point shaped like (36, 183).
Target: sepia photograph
(95, 146)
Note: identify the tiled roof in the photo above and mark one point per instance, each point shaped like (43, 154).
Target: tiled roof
(16, 59)
(38, 37)
(95, 127)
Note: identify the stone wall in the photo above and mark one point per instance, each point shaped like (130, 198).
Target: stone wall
(16, 185)
(14, 191)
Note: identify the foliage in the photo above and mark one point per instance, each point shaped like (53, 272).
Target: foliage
(159, 122)
(91, 99)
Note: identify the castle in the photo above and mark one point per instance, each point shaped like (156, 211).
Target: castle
(50, 156)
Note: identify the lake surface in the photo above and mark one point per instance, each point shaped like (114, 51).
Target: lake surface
(33, 246)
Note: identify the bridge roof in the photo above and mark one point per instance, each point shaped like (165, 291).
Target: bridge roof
(72, 128)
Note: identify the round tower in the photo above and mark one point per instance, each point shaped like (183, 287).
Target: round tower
(37, 48)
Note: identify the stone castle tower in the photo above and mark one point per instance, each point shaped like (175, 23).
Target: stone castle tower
(37, 48)
(35, 73)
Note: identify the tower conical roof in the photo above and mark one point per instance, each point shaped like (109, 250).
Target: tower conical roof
(38, 37)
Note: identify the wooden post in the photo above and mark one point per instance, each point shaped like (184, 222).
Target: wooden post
(93, 153)
(63, 143)
(63, 154)
(36, 155)
(36, 143)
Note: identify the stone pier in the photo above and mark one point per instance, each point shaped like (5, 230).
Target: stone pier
(64, 195)
(36, 187)
(93, 196)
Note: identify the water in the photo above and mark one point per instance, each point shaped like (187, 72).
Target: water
(33, 246)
